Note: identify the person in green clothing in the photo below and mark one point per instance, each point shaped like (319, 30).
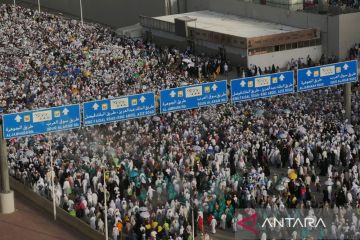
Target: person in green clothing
(72, 213)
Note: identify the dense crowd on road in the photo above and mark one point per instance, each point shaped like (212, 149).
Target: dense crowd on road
(345, 3)
(160, 172)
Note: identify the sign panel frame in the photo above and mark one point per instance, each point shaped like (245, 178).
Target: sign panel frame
(40, 117)
(117, 104)
(261, 82)
(190, 92)
(329, 71)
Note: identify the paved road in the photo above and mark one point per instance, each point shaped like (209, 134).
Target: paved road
(31, 223)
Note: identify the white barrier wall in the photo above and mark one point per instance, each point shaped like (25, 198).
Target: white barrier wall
(282, 58)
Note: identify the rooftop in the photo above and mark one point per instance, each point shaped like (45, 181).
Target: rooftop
(230, 24)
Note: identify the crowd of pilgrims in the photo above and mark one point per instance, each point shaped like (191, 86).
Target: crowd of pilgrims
(294, 150)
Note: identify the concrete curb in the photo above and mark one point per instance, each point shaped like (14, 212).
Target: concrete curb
(74, 223)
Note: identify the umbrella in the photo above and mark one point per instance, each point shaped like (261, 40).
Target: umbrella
(191, 65)
(134, 173)
(259, 113)
(29, 153)
(349, 128)
(329, 182)
(285, 179)
(156, 119)
(143, 209)
(197, 148)
(280, 187)
(282, 135)
(301, 130)
(87, 73)
(85, 159)
(145, 214)
(292, 175)
(186, 60)
(116, 162)
(287, 111)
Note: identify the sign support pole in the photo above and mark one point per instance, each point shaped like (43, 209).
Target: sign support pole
(81, 14)
(192, 218)
(105, 204)
(7, 204)
(347, 96)
(52, 176)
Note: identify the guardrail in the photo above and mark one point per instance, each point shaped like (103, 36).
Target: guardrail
(73, 222)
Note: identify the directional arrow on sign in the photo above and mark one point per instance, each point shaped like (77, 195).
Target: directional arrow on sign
(243, 83)
(65, 111)
(142, 99)
(214, 87)
(308, 73)
(282, 77)
(95, 106)
(18, 118)
(346, 67)
(172, 94)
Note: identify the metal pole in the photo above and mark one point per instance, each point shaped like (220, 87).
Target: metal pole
(81, 14)
(4, 171)
(52, 178)
(193, 222)
(347, 100)
(14, 3)
(106, 220)
(7, 203)
(39, 6)
(192, 203)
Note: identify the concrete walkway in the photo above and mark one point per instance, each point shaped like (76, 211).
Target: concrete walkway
(31, 223)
